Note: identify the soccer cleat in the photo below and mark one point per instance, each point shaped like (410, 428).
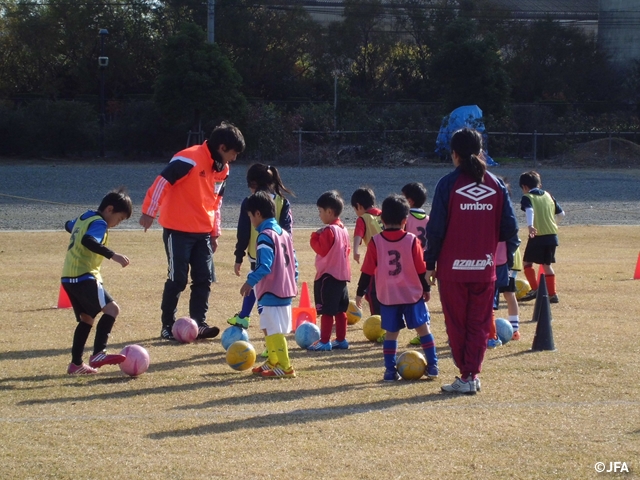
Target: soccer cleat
(166, 333)
(381, 338)
(494, 342)
(468, 387)
(261, 368)
(415, 341)
(239, 321)
(278, 372)
(265, 354)
(83, 369)
(431, 372)
(516, 335)
(205, 331)
(391, 375)
(554, 299)
(103, 358)
(531, 295)
(340, 345)
(318, 346)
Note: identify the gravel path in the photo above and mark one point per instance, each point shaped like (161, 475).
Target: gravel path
(43, 195)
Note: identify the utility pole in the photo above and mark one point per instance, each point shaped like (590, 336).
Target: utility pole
(211, 4)
(103, 61)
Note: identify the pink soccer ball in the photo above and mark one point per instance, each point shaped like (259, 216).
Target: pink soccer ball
(137, 360)
(185, 330)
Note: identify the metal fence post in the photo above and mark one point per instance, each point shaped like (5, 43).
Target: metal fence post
(535, 149)
(299, 148)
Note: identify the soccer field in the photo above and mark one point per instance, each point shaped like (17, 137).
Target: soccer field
(539, 415)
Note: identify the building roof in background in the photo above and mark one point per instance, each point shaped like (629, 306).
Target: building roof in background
(552, 6)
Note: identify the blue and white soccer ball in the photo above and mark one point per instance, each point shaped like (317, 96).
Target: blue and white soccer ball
(504, 330)
(232, 335)
(306, 334)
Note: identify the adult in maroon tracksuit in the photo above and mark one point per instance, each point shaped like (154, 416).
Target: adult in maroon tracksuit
(470, 213)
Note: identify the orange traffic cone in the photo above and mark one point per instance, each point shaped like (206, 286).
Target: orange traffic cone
(63, 299)
(304, 312)
(636, 276)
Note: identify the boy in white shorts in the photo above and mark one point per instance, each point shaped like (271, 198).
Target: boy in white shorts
(274, 283)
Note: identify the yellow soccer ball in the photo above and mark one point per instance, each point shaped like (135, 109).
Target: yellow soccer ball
(411, 365)
(241, 355)
(354, 314)
(372, 328)
(522, 288)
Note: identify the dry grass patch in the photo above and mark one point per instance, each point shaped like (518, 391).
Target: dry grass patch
(539, 415)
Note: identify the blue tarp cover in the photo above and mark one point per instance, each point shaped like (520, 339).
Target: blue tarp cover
(467, 116)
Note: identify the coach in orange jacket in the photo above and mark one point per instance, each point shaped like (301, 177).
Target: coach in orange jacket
(188, 193)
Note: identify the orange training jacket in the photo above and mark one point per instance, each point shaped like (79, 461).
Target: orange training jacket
(192, 204)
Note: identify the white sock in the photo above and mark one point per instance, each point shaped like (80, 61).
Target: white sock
(514, 320)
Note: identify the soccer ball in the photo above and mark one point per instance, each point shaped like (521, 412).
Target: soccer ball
(504, 330)
(372, 328)
(185, 330)
(411, 365)
(137, 360)
(306, 334)
(232, 334)
(241, 355)
(522, 288)
(354, 314)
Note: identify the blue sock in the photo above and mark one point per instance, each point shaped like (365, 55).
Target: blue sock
(390, 350)
(247, 305)
(428, 344)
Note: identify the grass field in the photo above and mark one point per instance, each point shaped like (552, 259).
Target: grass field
(539, 415)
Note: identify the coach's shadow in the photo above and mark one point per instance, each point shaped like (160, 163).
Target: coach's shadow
(300, 416)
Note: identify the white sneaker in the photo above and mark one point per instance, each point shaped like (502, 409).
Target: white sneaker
(461, 386)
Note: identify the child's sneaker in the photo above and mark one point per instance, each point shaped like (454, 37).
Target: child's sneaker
(103, 358)
(83, 369)
(516, 335)
(262, 368)
(554, 299)
(239, 321)
(415, 341)
(318, 346)
(531, 295)
(494, 342)
(166, 333)
(431, 372)
(391, 375)
(381, 338)
(278, 372)
(340, 344)
(205, 331)
(468, 387)
(265, 353)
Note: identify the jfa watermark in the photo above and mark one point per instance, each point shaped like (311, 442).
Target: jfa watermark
(613, 467)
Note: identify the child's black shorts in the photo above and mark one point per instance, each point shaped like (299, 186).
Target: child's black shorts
(331, 296)
(540, 254)
(88, 297)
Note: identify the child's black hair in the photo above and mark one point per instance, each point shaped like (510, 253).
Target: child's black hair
(530, 179)
(467, 143)
(416, 192)
(364, 197)
(332, 200)
(266, 177)
(229, 135)
(395, 209)
(119, 200)
(261, 202)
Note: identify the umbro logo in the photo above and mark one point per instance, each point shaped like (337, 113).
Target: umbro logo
(476, 192)
(202, 174)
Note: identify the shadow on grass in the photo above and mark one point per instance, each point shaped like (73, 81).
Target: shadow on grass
(300, 416)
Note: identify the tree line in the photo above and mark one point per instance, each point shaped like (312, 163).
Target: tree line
(271, 60)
